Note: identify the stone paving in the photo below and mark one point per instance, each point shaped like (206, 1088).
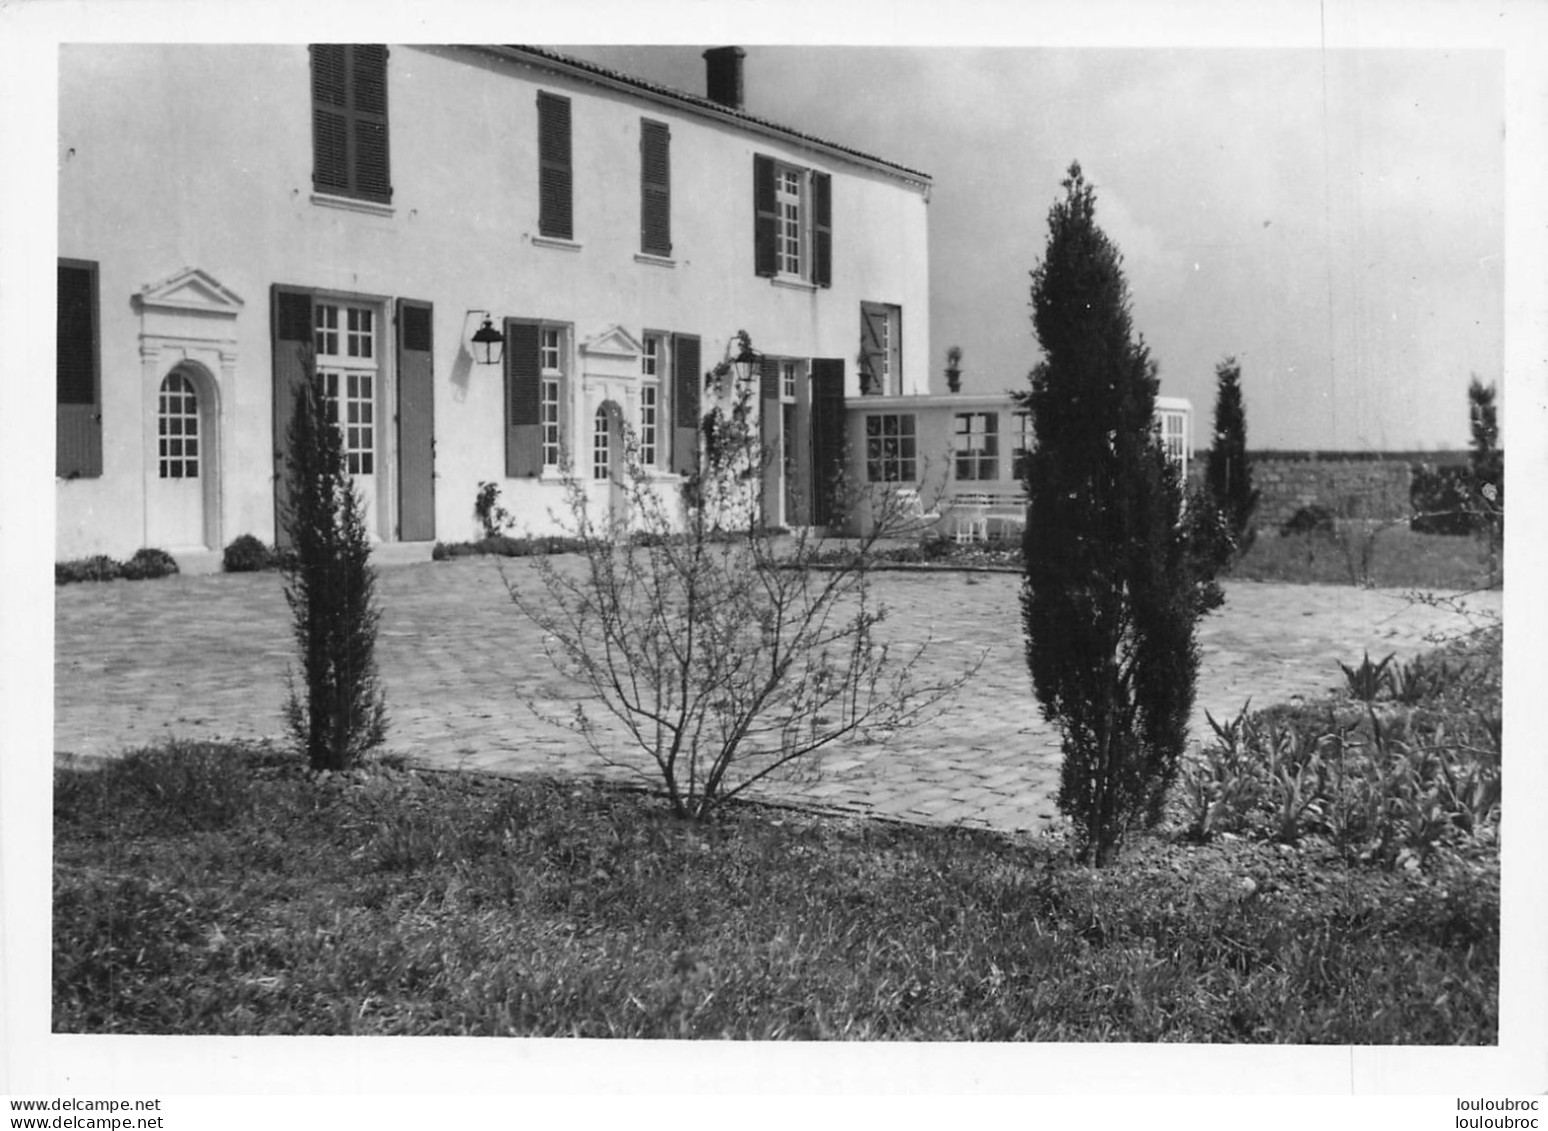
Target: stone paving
(470, 686)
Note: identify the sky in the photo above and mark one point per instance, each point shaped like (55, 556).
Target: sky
(1332, 219)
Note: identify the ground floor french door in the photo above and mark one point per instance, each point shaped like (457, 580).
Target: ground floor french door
(175, 508)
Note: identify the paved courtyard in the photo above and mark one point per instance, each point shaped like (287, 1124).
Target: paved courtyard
(206, 656)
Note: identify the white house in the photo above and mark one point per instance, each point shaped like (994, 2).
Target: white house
(232, 214)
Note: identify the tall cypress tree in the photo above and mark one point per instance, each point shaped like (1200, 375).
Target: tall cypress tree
(330, 586)
(1111, 595)
(1227, 475)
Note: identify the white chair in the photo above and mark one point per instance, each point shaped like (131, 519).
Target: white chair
(970, 517)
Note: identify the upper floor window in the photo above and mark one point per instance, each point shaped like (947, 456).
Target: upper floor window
(977, 445)
(349, 121)
(790, 226)
(655, 188)
(555, 177)
(881, 340)
(792, 222)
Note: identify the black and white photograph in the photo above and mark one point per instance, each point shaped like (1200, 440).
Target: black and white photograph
(733, 554)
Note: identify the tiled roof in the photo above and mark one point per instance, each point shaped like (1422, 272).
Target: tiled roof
(707, 105)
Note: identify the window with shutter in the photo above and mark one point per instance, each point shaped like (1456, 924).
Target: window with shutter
(349, 121)
(792, 222)
(77, 367)
(536, 395)
(655, 188)
(555, 216)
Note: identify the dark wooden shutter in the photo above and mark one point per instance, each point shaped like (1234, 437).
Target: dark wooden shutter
(78, 373)
(873, 350)
(416, 421)
(349, 121)
(523, 400)
(765, 217)
(655, 188)
(771, 449)
(686, 385)
(555, 217)
(330, 118)
(369, 77)
(827, 438)
(799, 462)
(822, 229)
(291, 334)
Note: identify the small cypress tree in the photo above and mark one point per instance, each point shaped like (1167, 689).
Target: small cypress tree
(331, 589)
(1227, 474)
(1112, 590)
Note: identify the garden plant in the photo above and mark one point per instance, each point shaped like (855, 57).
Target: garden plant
(707, 636)
(1113, 587)
(339, 714)
(1227, 472)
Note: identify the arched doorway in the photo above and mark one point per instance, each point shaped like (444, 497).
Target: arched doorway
(607, 461)
(181, 498)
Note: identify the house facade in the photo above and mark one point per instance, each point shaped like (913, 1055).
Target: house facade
(499, 259)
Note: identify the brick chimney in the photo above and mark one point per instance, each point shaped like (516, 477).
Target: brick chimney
(723, 75)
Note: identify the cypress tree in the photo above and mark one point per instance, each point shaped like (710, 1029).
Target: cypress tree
(1112, 592)
(1227, 475)
(331, 589)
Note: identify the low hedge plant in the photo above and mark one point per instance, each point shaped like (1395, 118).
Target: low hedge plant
(147, 563)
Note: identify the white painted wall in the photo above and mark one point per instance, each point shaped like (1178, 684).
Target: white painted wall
(200, 156)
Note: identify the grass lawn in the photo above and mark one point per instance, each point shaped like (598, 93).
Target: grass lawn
(1391, 557)
(213, 889)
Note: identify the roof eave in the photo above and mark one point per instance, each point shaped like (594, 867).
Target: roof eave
(703, 107)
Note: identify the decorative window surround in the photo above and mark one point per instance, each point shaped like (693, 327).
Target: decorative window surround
(614, 342)
(190, 318)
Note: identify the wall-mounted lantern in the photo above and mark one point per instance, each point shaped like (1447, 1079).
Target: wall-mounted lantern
(488, 344)
(741, 364)
(747, 360)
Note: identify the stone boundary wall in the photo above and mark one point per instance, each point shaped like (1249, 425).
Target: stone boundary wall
(1351, 488)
